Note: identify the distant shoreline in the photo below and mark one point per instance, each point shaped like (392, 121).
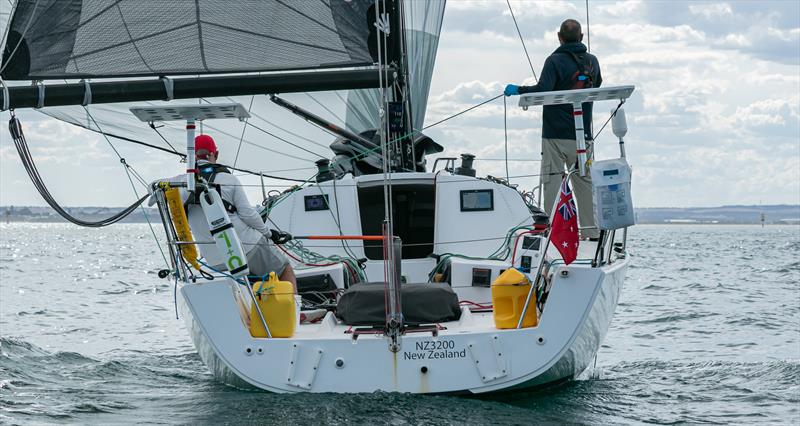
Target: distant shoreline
(136, 222)
(780, 214)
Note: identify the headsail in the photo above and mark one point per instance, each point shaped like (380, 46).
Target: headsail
(423, 24)
(64, 39)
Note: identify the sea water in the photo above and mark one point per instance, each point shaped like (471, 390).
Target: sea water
(707, 330)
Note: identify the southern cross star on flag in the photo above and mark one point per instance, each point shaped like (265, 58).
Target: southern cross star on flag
(564, 230)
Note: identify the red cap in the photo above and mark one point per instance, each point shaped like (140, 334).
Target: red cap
(205, 142)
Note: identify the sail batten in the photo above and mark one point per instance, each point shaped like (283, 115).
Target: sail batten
(67, 39)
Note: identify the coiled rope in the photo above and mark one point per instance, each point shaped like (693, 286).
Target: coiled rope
(15, 128)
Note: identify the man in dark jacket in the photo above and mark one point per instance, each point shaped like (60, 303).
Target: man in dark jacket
(568, 67)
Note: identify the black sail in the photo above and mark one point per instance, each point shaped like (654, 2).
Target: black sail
(68, 39)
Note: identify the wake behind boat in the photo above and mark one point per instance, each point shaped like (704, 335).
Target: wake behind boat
(411, 279)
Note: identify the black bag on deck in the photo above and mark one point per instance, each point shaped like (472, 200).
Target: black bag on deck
(423, 303)
(316, 288)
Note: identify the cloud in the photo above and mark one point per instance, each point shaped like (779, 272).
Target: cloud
(712, 10)
(711, 105)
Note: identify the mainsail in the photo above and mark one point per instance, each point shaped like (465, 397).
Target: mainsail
(122, 39)
(62, 39)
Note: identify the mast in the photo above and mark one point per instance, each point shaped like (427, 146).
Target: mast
(399, 108)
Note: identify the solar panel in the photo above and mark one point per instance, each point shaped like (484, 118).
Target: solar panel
(190, 112)
(575, 96)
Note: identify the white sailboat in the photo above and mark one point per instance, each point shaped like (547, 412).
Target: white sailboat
(395, 260)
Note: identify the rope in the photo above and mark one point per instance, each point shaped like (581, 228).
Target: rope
(622, 101)
(21, 144)
(519, 33)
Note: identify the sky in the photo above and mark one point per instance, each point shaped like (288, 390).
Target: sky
(714, 119)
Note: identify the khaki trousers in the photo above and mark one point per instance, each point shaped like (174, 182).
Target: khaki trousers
(556, 155)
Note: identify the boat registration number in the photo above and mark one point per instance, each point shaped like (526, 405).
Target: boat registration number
(435, 349)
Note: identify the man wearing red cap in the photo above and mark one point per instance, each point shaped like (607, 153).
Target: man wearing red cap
(262, 257)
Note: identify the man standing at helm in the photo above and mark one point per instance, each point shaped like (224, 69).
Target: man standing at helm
(262, 257)
(568, 67)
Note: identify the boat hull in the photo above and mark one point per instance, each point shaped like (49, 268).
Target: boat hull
(467, 357)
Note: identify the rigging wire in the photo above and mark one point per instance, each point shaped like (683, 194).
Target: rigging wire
(341, 120)
(284, 140)
(183, 156)
(244, 129)
(519, 33)
(297, 135)
(356, 113)
(588, 34)
(461, 112)
(128, 170)
(153, 126)
(218, 130)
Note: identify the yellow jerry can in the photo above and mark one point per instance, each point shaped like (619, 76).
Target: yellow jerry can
(276, 300)
(509, 292)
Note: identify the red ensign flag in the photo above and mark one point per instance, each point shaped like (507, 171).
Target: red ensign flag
(564, 230)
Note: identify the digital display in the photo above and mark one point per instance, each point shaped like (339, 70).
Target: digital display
(610, 172)
(316, 202)
(477, 200)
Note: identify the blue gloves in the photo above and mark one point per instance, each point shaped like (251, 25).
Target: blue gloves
(511, 90)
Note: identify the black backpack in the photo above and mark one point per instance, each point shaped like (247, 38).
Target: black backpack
(209, 172)
(582, 79)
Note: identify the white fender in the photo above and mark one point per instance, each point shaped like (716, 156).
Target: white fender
(225, 237)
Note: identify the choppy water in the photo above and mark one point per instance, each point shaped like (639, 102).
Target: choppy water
(707, 330)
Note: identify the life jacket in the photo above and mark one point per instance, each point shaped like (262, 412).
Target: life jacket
(582, 79)
(209, 172)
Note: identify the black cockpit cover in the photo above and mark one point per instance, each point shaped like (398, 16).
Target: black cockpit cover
(425, 303)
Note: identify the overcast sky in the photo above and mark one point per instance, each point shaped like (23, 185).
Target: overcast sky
(715, 118)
